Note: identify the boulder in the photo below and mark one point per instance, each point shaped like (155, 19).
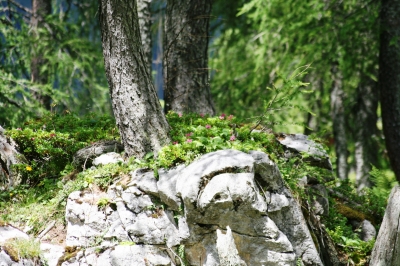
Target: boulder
(299, 143)
(226, 207)
(52, 253)
(8, 232)
(8, 156)
(84, 157)
(368, 231)
(107, 158)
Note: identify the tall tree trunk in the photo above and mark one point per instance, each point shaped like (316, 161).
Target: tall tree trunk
(313, 121)
(140, 119)
(40, 9)
(187, 87)
(339, 122)
(389, 79)
(365, 131)
(144, 14)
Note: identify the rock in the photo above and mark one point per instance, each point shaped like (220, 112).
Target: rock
(5, 260)
(292, 223)
(154, 230)
(52, 253)
(368, 231)
(300, 143)
(167, 187)
(85, 221)
(8, 232)
(226, 207)
(84, 157)
(145, 181)
(276, 202)
(107, 158)
(268, 171)
(140, 255)
(231, 191)
(320, 202)
(8, 157)
(227, 252)
(88, 256)
(193, 178)
(387, 250)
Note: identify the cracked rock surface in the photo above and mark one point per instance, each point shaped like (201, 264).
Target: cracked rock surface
(226, 208)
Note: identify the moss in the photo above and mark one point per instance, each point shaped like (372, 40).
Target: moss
(353, 214)
(70, 252)
(12, 252)
(20, 248)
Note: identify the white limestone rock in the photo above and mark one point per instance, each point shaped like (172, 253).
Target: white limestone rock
(107, 158)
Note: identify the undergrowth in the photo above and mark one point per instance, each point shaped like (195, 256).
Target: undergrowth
(49, 144)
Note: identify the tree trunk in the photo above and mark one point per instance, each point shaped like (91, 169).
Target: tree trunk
(365, 132)
(339, 122)
(187, 87)
(144, 14)
(142, 124)
(386, 251)
(40, 9)
(389, 79)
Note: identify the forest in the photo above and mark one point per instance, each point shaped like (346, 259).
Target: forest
(76, 72)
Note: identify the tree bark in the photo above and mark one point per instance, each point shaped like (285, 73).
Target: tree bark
(144, 14)
(339, 122)
(387, 250)
(141, 122)
(389, 79)
(365, 131)
(186, 80)
(40, 9)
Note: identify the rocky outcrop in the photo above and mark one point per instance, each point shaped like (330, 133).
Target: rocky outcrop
(226, 208)
(8, 156)
(300, 143)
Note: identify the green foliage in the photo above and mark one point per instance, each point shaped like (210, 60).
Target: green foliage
(49, 143)
(193, 135)
(102, 176)
(70, 44)
(266, 39)
(103, 202)
(365, 206)
(355, 249)
(383, 181)
(182, 255)
(371, 204)
(127, 243)
(20, 248)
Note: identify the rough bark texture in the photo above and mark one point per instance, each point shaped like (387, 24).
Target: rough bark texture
(386, 251)
(365, 132)
(40, 9)
(144, 14)
(187, 87)
(389, 79)
(324, 243)
(142, 124)
(339, 122)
